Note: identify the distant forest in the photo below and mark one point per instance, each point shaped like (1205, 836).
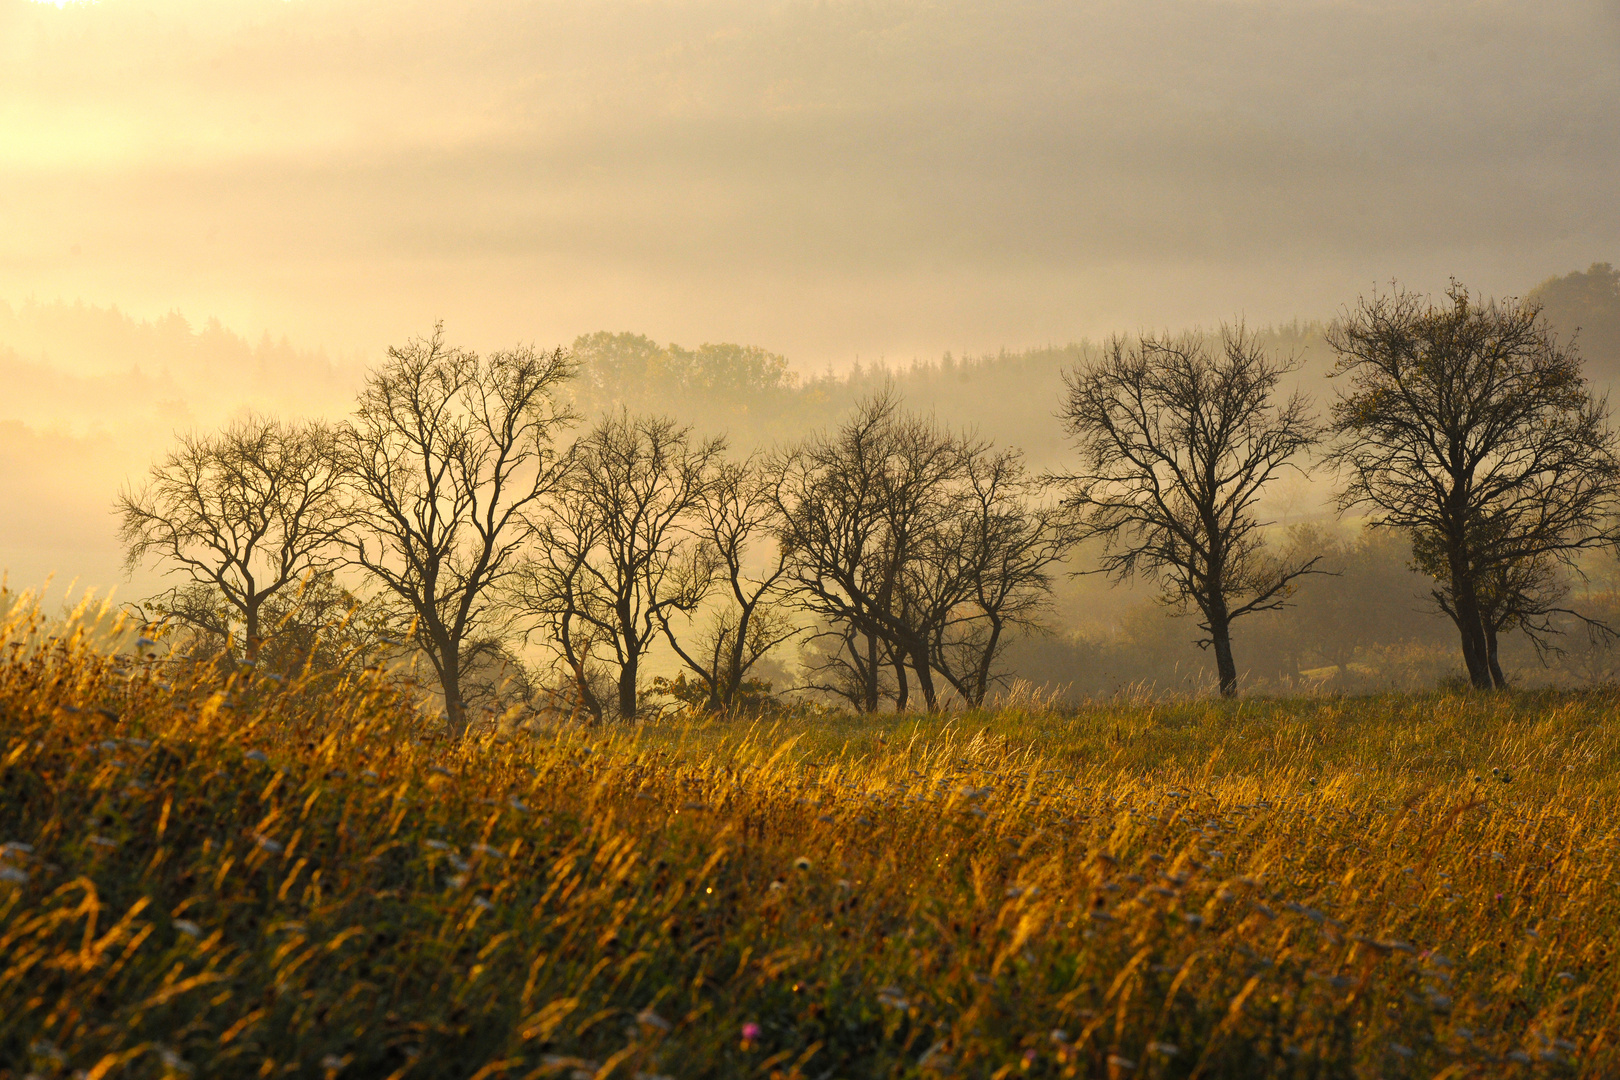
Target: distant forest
(95, 395)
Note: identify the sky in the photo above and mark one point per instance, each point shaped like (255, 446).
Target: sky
(826, 178)
(832, 180)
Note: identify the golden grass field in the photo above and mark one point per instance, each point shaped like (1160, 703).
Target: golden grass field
(234, 876)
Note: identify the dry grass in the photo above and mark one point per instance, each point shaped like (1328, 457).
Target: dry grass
(233, 876)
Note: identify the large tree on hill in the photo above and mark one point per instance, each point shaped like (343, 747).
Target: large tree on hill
(1473, 429)
(447, 454)
(1177, 442)
(245, 514)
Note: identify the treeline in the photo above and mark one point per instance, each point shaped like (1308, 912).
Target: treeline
(905, 557)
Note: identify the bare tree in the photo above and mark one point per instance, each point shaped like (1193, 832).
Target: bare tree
(858, 509)
(994, 561)
(736, 515)
(447, 452)
(844, 662)
(921, 551)
(1471, 428)
(616, 551)
(1177, 442)
(244, 514)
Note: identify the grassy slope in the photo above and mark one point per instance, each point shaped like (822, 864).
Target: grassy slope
(235, 877)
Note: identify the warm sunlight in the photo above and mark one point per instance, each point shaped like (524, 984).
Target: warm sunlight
(809, 540)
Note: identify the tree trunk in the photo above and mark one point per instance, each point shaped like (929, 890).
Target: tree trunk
(627, 687)
(582, 686)
(455, 710)
(250, 650)
(902, 685)
(1497, 678)
(925, 675)
(1476, 653)
(981, 677)
(1220, 634)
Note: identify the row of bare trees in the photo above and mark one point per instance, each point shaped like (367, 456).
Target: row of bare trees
(1469, 428)
(450, 493)
(909, 555)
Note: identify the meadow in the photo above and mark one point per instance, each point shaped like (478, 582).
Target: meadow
(216, 873)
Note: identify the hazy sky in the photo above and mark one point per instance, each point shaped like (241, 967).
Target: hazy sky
(827, 179)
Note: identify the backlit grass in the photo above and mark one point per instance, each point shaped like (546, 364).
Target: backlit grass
(237, 876)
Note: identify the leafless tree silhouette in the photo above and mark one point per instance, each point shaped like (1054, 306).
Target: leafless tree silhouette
(447, 454)
(245, 514)
(1472, 428)
(736, 517)
(1176, 444)
(919, 549)
(616, 551)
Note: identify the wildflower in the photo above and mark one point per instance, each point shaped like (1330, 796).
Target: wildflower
(256, 755)
(269, 845)
(436, 845)
(1163, 1049)
(102, 841)
(482, 904)
(1059, 1036)
(332, 1063)
(144, 643)
(13, 845)
(1117, 1062)
(14, 875)
(493, 852)
(750, 1032)
(801, 863)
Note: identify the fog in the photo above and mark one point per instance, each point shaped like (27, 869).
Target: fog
(210, 207)
(827, 179)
